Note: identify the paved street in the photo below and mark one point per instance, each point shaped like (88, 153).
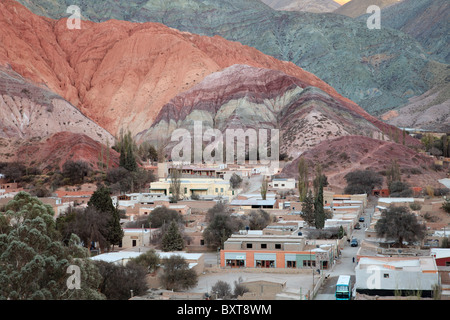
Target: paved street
(344, 264)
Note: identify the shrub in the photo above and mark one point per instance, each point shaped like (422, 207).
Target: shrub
(221, 289)
(362, 181)
(446, 205)
(400, 189)
(415, 206)
(75, 171)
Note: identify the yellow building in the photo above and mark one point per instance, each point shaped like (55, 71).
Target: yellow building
(197, 186)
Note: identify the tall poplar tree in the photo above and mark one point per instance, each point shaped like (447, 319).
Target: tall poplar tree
(319, 212)
(302, 179)
(308, 209)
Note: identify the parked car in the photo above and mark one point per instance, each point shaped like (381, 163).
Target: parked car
(357, 226)
(361, 219)
(354, 243)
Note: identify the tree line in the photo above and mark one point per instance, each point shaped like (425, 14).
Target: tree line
(37, 251)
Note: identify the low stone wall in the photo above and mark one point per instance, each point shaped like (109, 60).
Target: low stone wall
(216, 269)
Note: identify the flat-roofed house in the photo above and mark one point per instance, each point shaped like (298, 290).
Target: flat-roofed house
(272, 251)
(442, 256)
(389, 276)
(196, 186)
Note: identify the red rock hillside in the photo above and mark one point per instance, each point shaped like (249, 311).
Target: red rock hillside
(349, 153)
(120, 74)
(56, 150)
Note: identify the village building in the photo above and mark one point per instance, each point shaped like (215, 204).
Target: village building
(137, 237)
(9, 187)
(441, 256)
(390, 276)
(272, 251)
(202, 187)
(282, 184)
(76, 197)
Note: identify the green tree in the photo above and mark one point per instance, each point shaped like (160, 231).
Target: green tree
(75, 171)
(318, 178)
(89, 224)
(446, 205)
(362, 181)
(177, 275)
(220, 225)
(235, 181)
(115, 231)
(319, 212)
(34, 261)
(102, 202)
(172, 239)
(161, 215)
(400, 189)
(399, 224)
(14, 171)
(147, 151)
(118, 281)
(302, 179)
(127, 149)
(308, 209)
(149, 260)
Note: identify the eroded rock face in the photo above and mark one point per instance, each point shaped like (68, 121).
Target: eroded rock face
(31, 112)
(120, 74)
(243, 97)
(349, 153)
(51, 153)
(334, 47)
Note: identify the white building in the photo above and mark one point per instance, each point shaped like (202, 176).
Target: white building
(388, 276)
(281, 184)
(131, 199)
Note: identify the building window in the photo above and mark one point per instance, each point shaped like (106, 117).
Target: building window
(185, 190)
(217, 190)
(309, 263)
(277, 246)
(265, 263)
(386, 275)
(235, 263)
(202, 242)
(249, 245)
(263, 245)
(221, 189)
(291, 264)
